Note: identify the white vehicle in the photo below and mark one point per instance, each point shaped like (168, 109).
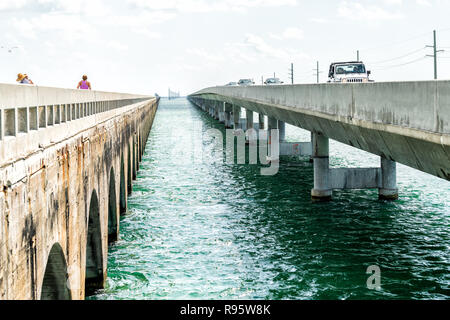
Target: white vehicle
(246, 82)
(271, 81)
(348, 72)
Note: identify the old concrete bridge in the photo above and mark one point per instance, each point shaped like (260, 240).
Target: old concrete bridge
(67, 161)
(405, 122)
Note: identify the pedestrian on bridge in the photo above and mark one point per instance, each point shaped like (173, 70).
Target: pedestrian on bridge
(84, 84)
(23, 78)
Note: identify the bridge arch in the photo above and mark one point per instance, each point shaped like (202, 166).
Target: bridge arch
(137, 151)
(130, 168)
(55, 283)
(112, 209)
(94, 278)
(140, 147)
(134, 157)
(123, 193)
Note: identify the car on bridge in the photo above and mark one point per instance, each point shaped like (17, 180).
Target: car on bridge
(246, 82)
(348, 72)
(231, 84)
(272, 81)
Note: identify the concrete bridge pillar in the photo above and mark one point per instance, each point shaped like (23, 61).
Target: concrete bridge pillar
(216, 110)
(249, 116)
(261, 121)
(251, 135)
(388, 190)
(236, 117)
(272, 125)
(282, 128)
(321, 153)
(228, 116)
(221, 112)
(210, 109)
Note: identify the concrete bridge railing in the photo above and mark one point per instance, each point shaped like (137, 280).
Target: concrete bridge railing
(67, 162)
(31, 116)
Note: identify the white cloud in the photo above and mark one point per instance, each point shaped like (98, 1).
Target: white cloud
(293, 33)
(147, 33)
(393, 2)
(258, 44)
(200, 6)
(320, 20)
(117, 46)
(289, 34)
(12, 5)
(69, 28)
(425, 3)
(23, 28)
(362, 12)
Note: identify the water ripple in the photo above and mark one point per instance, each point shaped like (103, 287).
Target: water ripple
(216, 231)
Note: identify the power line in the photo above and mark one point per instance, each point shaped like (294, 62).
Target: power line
(402, 64)
(397, 42)
(399, 57)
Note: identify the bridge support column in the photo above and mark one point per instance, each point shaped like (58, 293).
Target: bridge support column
(272, 125)
(321, 153)
(216, 110)
(261, 121)
(282, 128)
(236, 117)
(221, 109)
(211, 110)
(228, 116)
(326, 180)
(388, 190)
(249, 115)
(251, 133)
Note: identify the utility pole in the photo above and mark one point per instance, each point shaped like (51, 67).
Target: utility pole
(291, 73)
(317, 72)
(435, 52)
(357, 55)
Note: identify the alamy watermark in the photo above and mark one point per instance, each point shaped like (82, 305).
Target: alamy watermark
(210, 146)
(374, 281)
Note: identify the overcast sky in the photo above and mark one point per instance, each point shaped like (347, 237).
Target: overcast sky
(146, 46)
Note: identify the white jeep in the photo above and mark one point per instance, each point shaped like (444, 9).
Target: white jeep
(348, 72)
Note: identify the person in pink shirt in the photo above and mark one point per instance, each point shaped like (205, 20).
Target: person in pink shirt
(84, 84)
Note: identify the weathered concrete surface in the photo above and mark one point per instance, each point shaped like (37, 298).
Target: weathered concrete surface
(63, 190)
(406, 122)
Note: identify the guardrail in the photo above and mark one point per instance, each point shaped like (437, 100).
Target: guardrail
(27, 108)
(32, 117)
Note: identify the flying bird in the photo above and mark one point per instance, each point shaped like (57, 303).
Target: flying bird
(10, 49)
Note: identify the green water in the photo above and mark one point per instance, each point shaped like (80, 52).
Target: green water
(207, 230)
